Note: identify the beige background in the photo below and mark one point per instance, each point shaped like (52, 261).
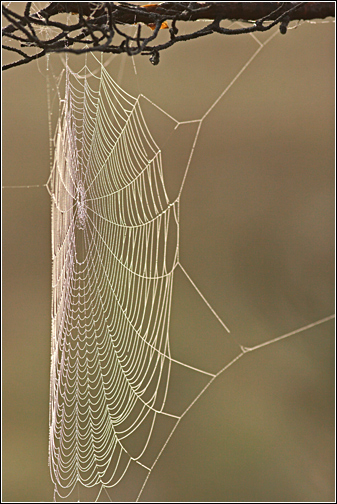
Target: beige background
(257, 225)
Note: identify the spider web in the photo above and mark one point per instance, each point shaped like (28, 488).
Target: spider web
(112, 225)
(116, 262)
(115, 246)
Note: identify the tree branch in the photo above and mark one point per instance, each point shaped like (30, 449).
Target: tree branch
(97, 23)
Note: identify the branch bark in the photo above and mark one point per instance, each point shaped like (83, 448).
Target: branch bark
(98, 22)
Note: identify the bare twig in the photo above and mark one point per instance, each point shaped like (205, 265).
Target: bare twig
(96, 24)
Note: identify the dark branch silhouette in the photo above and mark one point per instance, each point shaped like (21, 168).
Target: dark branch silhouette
(98, 24)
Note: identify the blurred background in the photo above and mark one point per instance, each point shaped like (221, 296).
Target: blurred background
(257, 238)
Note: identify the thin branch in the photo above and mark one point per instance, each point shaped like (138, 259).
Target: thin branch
(97, 23)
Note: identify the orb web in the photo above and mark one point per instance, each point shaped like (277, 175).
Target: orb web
(115, 245)
(112, 226)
